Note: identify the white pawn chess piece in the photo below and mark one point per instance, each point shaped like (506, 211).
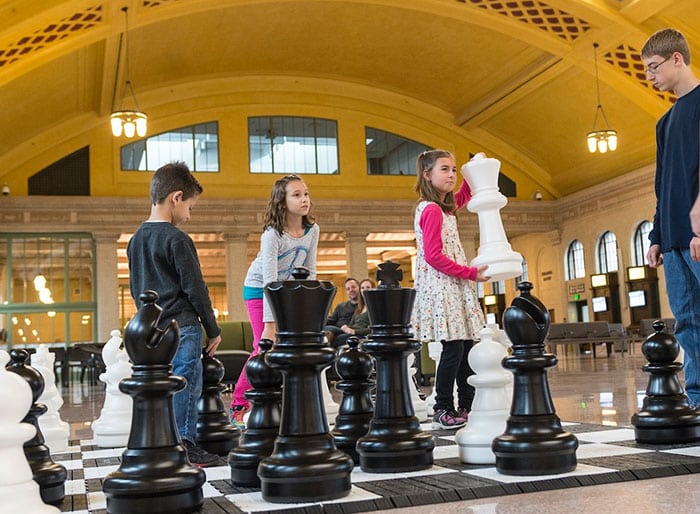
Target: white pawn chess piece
(500, 336)
(481, 173)
(491, 406)
(55, 431)
(111, 429)
(18, 491)
(420, 406)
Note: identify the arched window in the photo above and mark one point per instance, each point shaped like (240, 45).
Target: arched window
(607, 253)
(575, 267)
(640, 243)
(391, 154)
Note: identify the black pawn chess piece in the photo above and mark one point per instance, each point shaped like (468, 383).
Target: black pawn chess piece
(155, 475)
(354, 368)
(262, 427)
(666, 417)
(50, 476)
(534, 442)
(214, 430)
(394, 442)
(305, 464)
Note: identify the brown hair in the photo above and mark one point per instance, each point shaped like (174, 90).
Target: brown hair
(426, 162)
(276, 213)
(174, 176)
(665, 43)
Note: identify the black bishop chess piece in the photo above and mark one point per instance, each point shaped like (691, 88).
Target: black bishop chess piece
(354, 367)
(666, 416)
(214, 430)
(305, 464)
(534, 442)
(155, 475)
(394, 442)
(50, 476)
(262, 427)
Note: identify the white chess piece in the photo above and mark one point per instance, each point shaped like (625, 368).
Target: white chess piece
(481, 173)
(55, 431)
(491, 406)
(419, 406)
(329, 403)
(500, 336)
(18, 491)
(111, 429)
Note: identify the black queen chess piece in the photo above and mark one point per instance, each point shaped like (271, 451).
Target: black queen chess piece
(215, 433)
(666, 416)
(305, 464)
(394, 442)
(155, 475)
(534, 442)
(50, 475)
(263, 425)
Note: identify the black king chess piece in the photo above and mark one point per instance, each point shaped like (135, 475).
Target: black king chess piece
(215, 433)
(155, 475)
(666, 417)
(395, 442)
(263, 425)
(305, 464)
(534, 442)
(50, 476)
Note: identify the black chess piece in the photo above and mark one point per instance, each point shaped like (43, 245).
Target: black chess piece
(258, 439)
(534, 442)
(394, 442)
(666, 416)
(354, 368)
(50, 476)
(155, 475)
(214, 430)
(305, 464)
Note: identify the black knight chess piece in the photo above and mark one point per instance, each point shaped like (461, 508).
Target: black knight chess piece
(394, 442)
(155, 475)
(354, 368)
(262, 427)
(50, 476)
(305, 464)
(534, 442)
(214, 430)
(666, 417)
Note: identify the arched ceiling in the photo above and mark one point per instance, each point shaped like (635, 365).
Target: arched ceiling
(516, 76)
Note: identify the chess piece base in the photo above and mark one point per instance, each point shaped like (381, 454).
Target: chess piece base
(475, 439)
(306, 489)
(24, 498)
(667, 420)
(381, 453)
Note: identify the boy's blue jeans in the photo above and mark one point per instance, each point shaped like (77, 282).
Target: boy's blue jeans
(187, 363)
(683, 289)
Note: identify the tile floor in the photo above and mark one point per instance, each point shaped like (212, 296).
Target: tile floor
(604, 390)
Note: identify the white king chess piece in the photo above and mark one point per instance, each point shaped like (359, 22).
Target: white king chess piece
(481, 173)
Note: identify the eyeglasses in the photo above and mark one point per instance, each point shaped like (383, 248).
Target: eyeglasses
(654, 67)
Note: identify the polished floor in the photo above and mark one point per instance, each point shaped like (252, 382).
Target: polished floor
(602, 390)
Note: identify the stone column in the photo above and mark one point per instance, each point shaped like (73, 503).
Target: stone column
(107, 286)
(356, 252)
(236, 268)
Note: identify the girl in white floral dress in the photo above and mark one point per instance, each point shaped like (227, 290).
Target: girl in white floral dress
(447, 308)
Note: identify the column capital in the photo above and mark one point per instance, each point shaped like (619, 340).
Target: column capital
(355, 235)
(233, 236)
(103, 236)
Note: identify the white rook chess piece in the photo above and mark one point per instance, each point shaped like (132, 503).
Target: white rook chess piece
(481, 173)
(491, 406)
(18, 491)
(56, 431)
(111, 429)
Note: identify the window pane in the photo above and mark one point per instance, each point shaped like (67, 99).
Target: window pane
(641, 243)
(391, 154)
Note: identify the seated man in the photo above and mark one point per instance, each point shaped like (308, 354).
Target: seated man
(343, 312)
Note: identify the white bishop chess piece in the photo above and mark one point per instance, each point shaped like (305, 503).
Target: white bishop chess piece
(481, 173)
(18, 491)
(55, 431)
(111, 429)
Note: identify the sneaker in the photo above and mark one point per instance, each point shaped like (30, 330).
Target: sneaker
(198, 456)
(447, 420)
(236, 414)
(462, 414)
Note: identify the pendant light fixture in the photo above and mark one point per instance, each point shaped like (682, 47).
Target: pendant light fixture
(605, 139)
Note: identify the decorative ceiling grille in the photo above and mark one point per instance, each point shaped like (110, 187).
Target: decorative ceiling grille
(628, 60)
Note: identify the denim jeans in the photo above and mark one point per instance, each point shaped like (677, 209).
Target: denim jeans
(683, 289)
(454, 366)
(187, 363)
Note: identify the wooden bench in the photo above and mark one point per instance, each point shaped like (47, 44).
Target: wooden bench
(593, 333)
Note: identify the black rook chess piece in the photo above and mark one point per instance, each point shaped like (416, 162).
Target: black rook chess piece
(395, 442)
(155, 475)
(534, 442)
(258, 439)
(354, 368)
(305, 464)
(215, 433)
(666, 417)
(50, 476)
